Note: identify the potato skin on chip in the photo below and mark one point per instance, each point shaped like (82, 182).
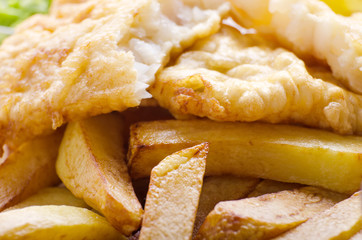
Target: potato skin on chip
(55, 222)
(279, 152)
(91, 164)
(29, 168)
(173, 195)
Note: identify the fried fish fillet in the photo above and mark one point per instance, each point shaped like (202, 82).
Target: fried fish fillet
(89, 57)
(310, 27)
(240, 77)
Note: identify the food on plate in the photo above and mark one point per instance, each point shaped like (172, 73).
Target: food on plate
(173, 195)
(266, 216)
(232, 76)
(341, 221)
(269, 186)
(55, 222)
(28, 169)
(51, 196)
(310, 27)
(221, 188)
(277, 152)
(91, 57)
(113, 70)
(91, 164)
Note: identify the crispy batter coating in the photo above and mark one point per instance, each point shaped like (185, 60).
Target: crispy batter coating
(310, 27)
(240, 77)
(89, 57)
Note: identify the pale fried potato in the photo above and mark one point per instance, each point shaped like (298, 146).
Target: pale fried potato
(91, 164)
(51, 196)
(55, 222)
(339, 222)
(232, 76)
(28, 169)
(221, 188)
(310, 27)
(91, 57)
(173, 195)
(270, 186)
(266, 216)
(278, 152)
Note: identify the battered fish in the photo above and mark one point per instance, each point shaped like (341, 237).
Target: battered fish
(240, 77)
(310, 27)
(89, 57)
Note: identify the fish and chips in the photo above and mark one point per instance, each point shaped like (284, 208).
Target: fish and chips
(182, 119)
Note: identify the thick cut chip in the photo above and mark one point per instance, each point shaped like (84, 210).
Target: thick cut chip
(270, 186)
(28, 169)
(221, 188)
(173, 195)
(266, 216)
(91, 57)
(51, 196)
(278, 152)
(91, 164)
(55, 222)
(339, 222)
(234, 76)
(310, 27)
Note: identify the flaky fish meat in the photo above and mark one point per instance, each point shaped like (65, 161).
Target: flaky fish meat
(310, 27)
(234, 76)
(89, 57)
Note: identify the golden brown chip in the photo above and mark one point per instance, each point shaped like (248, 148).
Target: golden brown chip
(270, 186)
(266, 216)
(91, 164)
(221, 188)
(341, 221)
(51, 196)
(278, 152)
(28, 169)
(173, 195)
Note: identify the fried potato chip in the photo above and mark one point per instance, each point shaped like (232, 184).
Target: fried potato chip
(91, 57)
(91, 164)
(221, 188)
(266, 216)
(28, 169)
(310, 27)
(341, 221)
(278, 152)
(55, 222)
(173, 195)
(270, 186)
(234, 76)
(51, 196)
